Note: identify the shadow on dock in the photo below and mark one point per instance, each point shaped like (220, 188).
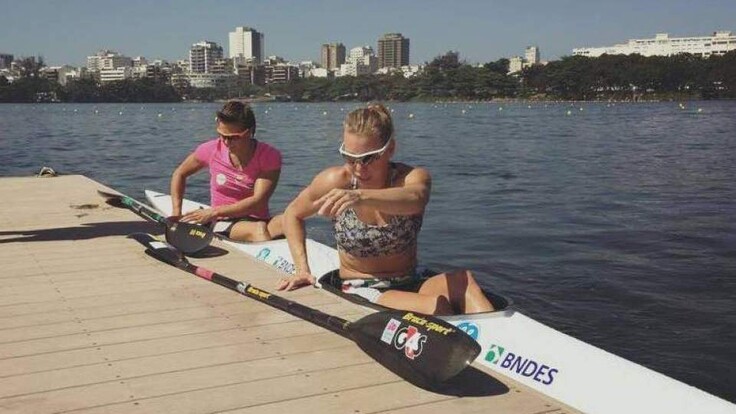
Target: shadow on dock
(471, 382)
(82, 232)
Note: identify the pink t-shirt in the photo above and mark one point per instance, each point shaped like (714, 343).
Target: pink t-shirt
(228, 184)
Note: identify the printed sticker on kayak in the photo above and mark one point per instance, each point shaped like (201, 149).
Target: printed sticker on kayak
(521, 365)
(469, 328)
(278, 261)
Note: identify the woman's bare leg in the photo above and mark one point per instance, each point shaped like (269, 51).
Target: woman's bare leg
(460, 289)
(415, 302)
(251, 231)
(275, 226)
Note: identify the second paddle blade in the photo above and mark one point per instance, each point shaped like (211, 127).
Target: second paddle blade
(187, 237)
(423, 350)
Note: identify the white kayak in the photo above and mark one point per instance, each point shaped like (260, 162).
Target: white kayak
(557, 365)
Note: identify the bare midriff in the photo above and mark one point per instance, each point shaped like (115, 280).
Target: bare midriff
(401, 264)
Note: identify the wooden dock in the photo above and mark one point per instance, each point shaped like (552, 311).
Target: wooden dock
(90, 324)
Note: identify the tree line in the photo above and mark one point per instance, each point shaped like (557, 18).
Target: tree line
(446, 77)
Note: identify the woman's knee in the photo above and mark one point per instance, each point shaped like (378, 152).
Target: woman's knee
(252, 231)
(436, 305)
(422, 303)
(443, 306)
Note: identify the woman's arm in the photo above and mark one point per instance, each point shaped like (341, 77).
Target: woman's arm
(301, 208)
(189, 166)
(410, 198)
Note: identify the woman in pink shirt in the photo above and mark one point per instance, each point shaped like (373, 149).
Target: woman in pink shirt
(243, 175)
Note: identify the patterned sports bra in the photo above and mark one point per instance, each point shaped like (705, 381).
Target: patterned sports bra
(370, 240)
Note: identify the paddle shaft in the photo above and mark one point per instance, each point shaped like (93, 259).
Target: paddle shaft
(332, 323)
(137, 207)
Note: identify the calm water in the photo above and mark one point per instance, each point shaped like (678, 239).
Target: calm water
(614, 223)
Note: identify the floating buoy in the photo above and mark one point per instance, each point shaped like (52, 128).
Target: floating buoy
(324, 113)
(160, 115)
(569, 112)
(463, 111)
(500, 108)
(411, 116)
(700, 110)
(120, 113)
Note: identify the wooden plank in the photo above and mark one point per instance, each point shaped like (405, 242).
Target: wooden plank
(258, 382)
(147, 347)
(212, 357)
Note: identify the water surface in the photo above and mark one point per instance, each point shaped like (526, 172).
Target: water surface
(615, 224)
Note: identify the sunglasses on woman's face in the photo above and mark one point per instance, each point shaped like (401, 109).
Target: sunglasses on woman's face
(228, 137)
(364, 158)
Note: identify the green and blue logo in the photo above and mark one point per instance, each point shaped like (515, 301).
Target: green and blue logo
(521, 365)
(494, 353)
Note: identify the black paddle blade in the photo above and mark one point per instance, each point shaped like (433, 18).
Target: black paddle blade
(160, 250)
(188, 237)
(423, 350)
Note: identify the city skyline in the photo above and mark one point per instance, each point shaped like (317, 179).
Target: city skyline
(480, 32)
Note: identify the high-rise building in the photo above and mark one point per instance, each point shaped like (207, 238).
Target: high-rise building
(393, 51)
(719, 43)
(246, 46)
(203, 55)
(5, 60)
(532, 55)
(333, 55)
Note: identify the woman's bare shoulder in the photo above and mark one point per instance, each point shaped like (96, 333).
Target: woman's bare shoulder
(406, 172)
(332, 177)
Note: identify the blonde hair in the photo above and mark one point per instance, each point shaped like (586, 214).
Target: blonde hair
(372, 121)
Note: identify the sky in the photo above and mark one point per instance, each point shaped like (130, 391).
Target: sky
(67, 31)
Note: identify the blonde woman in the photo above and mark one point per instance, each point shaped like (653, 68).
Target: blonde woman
(377, 207)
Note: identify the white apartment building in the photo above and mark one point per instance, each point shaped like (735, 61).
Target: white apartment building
(203, 57)
(532, 55)
(516, 64)
(115, 74)
(318, 73)
(60, 74)
(361, 61)
(106, 59)
(246, 46)
(719, 43)
(353, 69)
(209, 80)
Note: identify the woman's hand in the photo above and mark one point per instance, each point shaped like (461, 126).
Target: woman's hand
(200, 216)
(336, 201)
(296, 281)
